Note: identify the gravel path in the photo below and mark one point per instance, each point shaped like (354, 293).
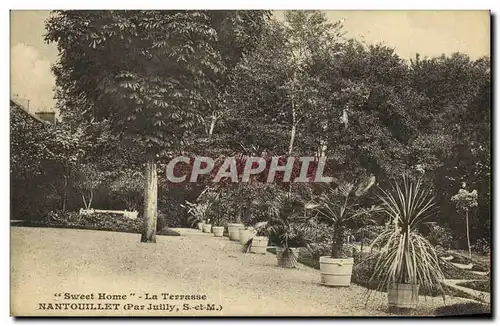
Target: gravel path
(48, 261)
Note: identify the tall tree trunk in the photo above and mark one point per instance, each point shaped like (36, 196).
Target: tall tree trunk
(338, 240)
(84, 202)
(212, 126)
(292, 139)
(150, 200)
(65, 193)
(91, 197)
(467, 225)
(294, 115)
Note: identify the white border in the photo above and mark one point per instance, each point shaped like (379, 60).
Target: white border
(148, 4)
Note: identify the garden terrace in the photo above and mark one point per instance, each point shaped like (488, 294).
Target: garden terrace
(60, 260)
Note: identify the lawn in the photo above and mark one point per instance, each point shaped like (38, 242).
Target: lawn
(483, 286)
(47, 261)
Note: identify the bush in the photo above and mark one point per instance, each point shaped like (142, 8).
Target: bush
(450, 271)
(97, 221)
(464, 259)
(440, 236)
(481, 246)
(469, 308)
(363, 271)
(483, 286)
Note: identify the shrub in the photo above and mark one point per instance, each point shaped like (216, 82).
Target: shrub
(483, 286)
(96, 221)
(452, 272)
(469, 308)
(464, 259)
(481, 246)
(440, 236)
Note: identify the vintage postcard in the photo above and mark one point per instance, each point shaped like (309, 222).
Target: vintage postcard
(250, 163)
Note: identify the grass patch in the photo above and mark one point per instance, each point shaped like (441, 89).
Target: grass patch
(483, 286)
(469, 308)
(95, 222)
(480, 265)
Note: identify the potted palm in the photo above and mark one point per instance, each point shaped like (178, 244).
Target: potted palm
(287, 225)
(257, 244)
(406, 261)
(339, 209)
(217, 216)
(197, 214)
(231, 202)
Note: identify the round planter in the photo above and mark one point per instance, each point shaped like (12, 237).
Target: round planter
(402, 296)
(233, 231)
(335, 271)
(207, 228)
(245, 235)
(259, 245)
(218, 231)
(290, 261)
(200, 225)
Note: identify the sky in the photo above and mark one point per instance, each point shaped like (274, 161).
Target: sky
(429, 33)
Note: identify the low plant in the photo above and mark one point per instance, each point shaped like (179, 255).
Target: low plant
(440, 236)
(483, 286)
(288, 222)
(196, 211)
(96, 221)
(339, 209)
(216, 214)
(482, 246)
(468, 308)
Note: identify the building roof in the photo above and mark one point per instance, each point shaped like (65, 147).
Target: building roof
(15, 104)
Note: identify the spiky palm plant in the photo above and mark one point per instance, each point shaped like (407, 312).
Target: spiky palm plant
(197, 212)
(339, 209)
(288, 222)
(405, 256)
(200, 211)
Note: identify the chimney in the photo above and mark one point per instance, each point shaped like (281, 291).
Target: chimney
(47, 116)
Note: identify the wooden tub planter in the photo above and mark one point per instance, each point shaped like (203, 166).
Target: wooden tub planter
(218, 231)
(335, 271)
(200, 225)
(259, 245)
(245, 235)
(233, 231)
(287, 258)
(207, 228)
(402, 297)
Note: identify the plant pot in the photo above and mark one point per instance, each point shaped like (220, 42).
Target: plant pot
(233, 231)
(245, 235)
(200, 225)
(402, 296)
(259, 245)
(218, 231)
(287, 261)
(335, 271)
(207, 228)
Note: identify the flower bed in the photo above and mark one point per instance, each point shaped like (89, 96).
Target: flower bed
(97, 221)
(470, 308)
(483, 286)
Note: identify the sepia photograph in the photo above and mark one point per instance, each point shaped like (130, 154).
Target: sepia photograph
(261, 163)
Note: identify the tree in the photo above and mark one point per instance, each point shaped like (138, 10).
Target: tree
(127, 186)
(31, 183)
(88, 179)
(151, 73)
(465, 200)
(68, 144)
(276, 88)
